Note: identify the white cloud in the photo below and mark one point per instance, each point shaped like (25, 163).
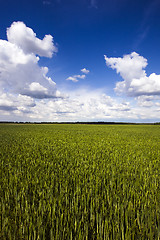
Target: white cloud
(148, 101)
(80, 76)
(73, 79)
(76, 78)
(146, 85)
(36, 90)
(136, 82)
(6, 104)
(26, 39)
(82, 105)
(85, 71)
(145, 102)
(19, 69)
(10, 102)
(12, 55)
(129, 66)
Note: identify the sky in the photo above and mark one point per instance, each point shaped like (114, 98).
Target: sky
(80, 60)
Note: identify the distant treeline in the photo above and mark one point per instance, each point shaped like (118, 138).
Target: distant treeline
(97, 123)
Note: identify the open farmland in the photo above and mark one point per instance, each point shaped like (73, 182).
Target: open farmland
(80, 182)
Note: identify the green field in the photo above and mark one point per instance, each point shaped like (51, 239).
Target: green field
(69, 182)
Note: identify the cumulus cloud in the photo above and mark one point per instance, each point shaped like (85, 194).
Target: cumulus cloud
(20, 72)
(148, 101)
(15, 103)
(135, 80)
(24, 37)
(76, 78)
(146, 85)
(6, 104)
(85, 71)
(81, 105)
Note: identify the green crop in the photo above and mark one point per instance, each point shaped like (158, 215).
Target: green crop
(69, 182)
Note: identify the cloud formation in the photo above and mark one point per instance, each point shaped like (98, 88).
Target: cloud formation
(24, 37)
(81, 105)
(85, 71)
(135, 80)
(75, 78)
(20, 72)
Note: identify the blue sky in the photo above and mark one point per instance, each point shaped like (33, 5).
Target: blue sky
(47, 46)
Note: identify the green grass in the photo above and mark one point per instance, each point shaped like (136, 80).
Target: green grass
(79, 182)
